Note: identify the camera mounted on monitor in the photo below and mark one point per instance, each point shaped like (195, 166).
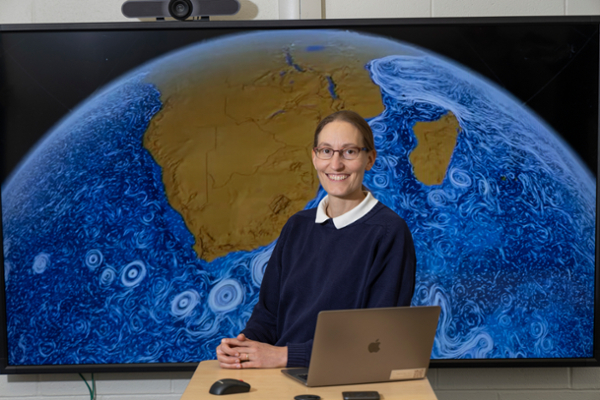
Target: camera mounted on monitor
(178, 9)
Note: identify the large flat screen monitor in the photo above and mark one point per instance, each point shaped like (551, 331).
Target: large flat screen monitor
(148, 168)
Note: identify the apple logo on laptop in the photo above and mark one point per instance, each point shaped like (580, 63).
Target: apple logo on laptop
(374, 347)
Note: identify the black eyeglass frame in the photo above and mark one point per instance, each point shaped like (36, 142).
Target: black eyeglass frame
(341, 151)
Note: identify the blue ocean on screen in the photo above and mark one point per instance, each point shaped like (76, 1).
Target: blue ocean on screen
(100, 268)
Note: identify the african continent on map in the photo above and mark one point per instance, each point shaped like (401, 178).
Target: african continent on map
(234, 137)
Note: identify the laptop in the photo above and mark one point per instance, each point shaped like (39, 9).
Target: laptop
(370, 345)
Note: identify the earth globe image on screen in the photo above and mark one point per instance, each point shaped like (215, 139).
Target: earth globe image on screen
(138, 229)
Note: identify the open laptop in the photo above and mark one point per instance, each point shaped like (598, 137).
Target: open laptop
(370, 345)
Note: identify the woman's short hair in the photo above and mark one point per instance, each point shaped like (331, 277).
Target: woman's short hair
(352, 118)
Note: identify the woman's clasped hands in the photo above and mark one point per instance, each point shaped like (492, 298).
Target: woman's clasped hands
(241, 352)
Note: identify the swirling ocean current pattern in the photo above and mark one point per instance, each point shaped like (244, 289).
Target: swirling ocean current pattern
(112, 277)
(505, 244)
(108, 275)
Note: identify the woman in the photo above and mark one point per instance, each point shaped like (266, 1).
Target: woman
(349, 252)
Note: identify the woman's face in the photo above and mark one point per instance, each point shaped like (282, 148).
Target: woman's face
(339, 177)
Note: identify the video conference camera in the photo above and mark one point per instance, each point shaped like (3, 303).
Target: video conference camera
(178, 9)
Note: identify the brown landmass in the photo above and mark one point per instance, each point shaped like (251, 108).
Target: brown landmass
(436, 141)
(235, 134)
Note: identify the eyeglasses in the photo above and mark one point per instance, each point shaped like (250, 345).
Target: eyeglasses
(349, 153)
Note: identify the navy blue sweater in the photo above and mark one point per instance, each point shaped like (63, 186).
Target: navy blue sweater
(315, 267)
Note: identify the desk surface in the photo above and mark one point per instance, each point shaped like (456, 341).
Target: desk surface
(272, 384)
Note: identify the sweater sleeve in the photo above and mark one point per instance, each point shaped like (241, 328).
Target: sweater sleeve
(263, 325)
(391, 281)
(299, 354)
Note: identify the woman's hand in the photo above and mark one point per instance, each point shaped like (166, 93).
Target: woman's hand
(242, 352)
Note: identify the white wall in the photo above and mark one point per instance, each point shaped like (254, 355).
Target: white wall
(449, 384)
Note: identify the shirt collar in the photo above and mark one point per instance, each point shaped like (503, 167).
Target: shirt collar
(347, 218)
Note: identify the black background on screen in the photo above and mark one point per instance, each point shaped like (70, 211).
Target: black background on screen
(552, 68)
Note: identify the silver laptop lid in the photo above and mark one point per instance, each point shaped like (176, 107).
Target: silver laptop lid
(372, 345)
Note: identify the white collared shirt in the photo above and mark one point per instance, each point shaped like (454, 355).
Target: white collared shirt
(347, 218)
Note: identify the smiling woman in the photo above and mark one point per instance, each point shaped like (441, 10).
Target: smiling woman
(361, 248)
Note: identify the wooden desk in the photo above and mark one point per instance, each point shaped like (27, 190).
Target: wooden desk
(270, 384)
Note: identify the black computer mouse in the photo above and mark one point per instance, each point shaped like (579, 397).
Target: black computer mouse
(229, 386)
